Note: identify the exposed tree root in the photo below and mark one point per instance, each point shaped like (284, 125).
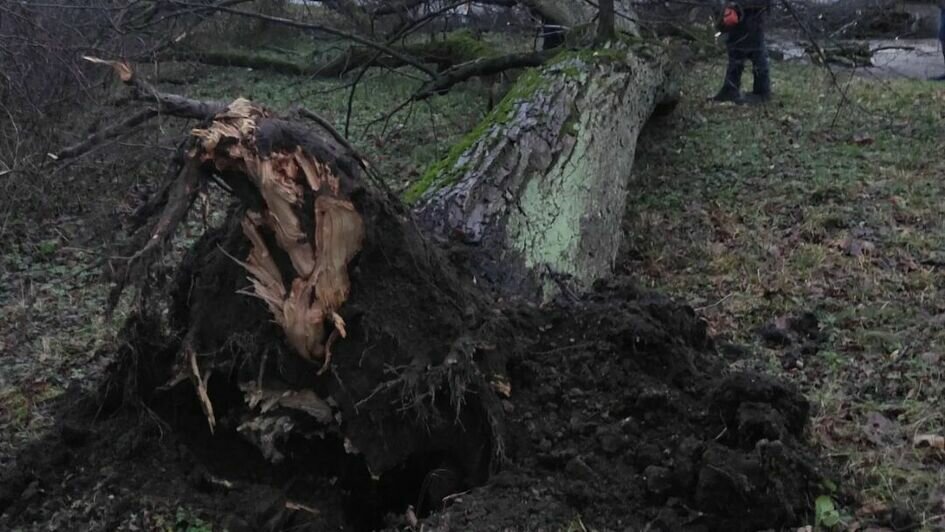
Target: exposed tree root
(308, 227)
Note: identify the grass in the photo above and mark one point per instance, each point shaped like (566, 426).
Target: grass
(752, 213)
(50, 330)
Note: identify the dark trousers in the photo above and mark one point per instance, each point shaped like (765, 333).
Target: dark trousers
(737, 56)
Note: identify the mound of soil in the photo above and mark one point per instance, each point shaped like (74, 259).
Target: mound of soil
(621, 415)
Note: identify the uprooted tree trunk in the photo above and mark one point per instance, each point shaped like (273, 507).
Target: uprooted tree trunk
(538, 191)
(322, 317)
(350, 283)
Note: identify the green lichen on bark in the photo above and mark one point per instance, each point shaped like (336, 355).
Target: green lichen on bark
(568, 220)
(539, 188)
(462, 45)
(447, 170)
(554, 207)
(572, 64)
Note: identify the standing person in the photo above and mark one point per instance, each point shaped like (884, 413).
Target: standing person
(941, 33)
(743, 23)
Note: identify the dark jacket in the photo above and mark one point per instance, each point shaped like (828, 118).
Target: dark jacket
(748, 34)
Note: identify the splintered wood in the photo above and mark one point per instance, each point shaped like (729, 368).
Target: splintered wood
(285, 178)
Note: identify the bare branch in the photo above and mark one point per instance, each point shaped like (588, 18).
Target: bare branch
(151, 240)
(170, 104)
(107, 133)
(482, 67)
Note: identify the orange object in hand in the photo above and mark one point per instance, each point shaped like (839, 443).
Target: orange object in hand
(730, 17)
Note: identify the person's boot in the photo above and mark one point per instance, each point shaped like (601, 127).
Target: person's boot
(757, 98)
(727, 94)
(731, 87)
(942, 77)
(761, 84)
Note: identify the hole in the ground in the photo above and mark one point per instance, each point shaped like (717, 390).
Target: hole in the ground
(312, 463)
(421, 482)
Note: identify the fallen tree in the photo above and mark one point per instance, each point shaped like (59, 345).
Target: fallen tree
(323, 324)
(456, 48)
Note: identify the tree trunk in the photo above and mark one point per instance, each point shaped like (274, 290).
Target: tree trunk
(537, 193)
(458, 47)
(575, 14)
(606, 29)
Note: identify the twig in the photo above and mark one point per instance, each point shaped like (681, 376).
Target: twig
(820, 53)
(354, 88)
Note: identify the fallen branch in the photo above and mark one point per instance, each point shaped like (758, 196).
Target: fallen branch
(151, 240)
(238, 60)
(105, 134)
(455, 49)
(482, 67)
(171, 104)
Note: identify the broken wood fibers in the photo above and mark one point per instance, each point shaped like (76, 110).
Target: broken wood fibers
(320, 261)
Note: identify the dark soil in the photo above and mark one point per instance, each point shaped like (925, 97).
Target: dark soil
(621, 415)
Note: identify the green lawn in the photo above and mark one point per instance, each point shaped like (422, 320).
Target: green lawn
(822, 203)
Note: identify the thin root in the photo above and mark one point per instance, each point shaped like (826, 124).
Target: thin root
(331, 341)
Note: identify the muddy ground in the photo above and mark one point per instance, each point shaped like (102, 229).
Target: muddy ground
(621, 419)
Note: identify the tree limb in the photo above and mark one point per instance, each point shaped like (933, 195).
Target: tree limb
(170, 104)
(107, 133)
(330, 129)
(151, 240)
(482, 67)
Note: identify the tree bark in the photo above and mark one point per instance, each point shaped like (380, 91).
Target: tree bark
(574, 14)
(606, 29)
(537, 194)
